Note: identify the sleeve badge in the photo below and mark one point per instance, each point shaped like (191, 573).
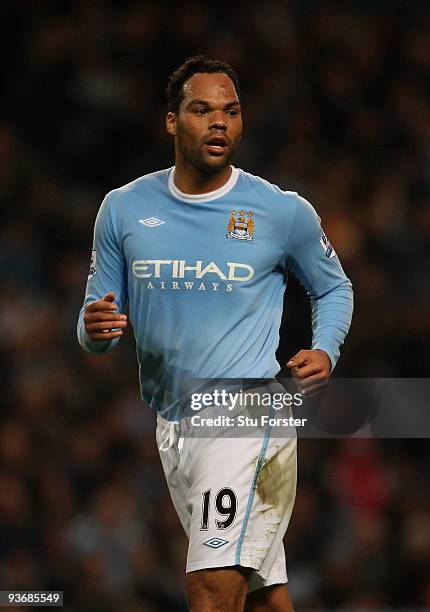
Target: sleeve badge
(93, 267)
(327, 248)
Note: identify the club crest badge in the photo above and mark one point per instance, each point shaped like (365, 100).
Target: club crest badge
(241, 225)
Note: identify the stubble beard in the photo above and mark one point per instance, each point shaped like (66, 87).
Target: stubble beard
(194, 157)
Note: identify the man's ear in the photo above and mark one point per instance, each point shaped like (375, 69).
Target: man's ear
(171, 123)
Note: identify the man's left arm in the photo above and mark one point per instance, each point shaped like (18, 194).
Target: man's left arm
(313, 261)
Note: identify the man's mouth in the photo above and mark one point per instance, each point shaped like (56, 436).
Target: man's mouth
(216, 145)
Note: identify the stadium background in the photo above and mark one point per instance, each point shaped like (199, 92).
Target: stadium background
(336, 106)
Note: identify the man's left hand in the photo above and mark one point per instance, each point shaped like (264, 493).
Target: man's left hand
(311, 370)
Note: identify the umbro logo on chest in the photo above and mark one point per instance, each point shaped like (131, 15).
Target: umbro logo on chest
(151, 222)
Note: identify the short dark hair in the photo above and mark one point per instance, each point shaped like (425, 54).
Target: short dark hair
(194, 65)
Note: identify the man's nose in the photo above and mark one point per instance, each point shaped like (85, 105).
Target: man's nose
(217, 120)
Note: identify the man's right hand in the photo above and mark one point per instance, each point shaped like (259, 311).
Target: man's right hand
(100, 319)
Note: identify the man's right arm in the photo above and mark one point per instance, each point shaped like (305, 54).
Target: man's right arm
(101, 321)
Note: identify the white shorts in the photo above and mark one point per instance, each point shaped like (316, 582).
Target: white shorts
(234, 498)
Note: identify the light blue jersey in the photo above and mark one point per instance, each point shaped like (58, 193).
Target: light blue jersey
(205, 275)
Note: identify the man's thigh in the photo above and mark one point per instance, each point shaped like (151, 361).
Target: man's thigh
(274, 598)
(218, 589)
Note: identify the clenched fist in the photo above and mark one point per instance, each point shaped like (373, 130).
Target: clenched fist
(100, 319)
(311, 370)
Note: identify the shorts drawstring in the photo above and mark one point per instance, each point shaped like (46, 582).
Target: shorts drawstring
(168, 436)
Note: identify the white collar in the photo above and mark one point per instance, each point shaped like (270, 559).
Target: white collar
(203, 197)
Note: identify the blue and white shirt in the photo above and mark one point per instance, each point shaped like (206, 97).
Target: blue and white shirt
(204, 277)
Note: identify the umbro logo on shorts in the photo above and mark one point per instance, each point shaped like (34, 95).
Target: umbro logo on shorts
(151, 222)
(215, 542)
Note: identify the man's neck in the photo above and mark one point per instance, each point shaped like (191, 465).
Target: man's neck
(191, 181)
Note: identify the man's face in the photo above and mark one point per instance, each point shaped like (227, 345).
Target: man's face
(208, 125)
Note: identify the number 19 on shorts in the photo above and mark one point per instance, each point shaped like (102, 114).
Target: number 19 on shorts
(225, 504)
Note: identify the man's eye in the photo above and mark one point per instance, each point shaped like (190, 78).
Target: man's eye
(232, 112)
(200, 111)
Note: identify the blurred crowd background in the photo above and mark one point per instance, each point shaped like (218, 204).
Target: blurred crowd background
(336, 106)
